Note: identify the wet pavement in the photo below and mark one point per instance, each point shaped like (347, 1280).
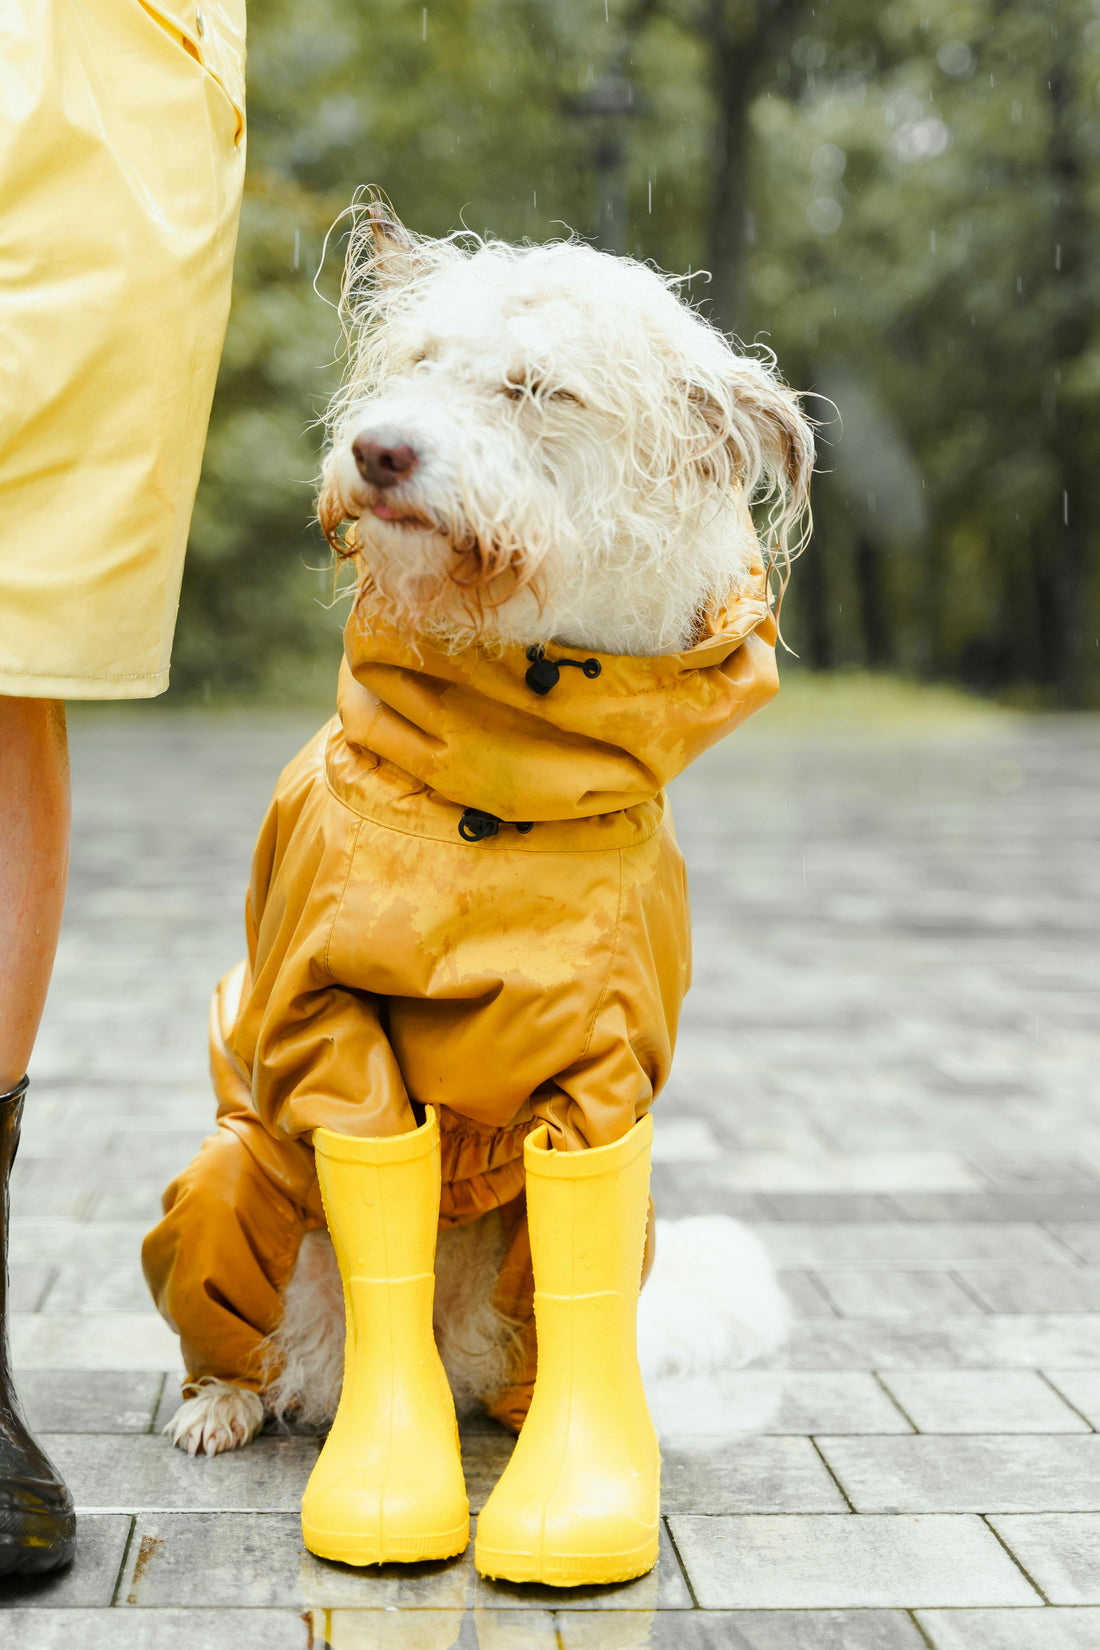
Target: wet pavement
(889, 1066)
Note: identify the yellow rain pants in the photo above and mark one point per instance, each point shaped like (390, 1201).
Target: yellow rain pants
(121, 165)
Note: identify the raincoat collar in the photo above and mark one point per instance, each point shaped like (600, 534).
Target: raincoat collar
(468, 726)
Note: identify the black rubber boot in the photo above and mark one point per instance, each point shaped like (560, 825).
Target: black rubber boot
(37, 1522)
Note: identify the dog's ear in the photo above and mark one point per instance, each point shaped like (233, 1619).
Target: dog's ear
(393, 249)
(755, 434)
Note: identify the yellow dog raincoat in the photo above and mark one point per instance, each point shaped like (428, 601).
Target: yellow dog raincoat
(467, 893)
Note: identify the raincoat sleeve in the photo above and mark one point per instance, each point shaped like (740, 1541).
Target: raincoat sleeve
(314, 1044)
(631, 1027)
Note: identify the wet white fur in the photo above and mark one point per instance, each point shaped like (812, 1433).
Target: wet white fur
(711, 1305)
(586, 441)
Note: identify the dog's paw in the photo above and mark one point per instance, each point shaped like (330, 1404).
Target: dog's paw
(219, 1417)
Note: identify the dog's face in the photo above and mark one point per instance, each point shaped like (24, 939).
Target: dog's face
(546, 442)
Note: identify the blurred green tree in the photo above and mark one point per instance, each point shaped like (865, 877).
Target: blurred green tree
(901, 199)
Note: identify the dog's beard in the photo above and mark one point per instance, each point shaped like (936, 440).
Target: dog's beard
(439, 578)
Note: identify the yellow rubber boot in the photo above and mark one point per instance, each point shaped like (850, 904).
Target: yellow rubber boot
(579, 1502)
(388, 1484)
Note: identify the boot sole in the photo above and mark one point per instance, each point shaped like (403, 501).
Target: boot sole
(567, 1569)
(352, 1547)
(17, 1560)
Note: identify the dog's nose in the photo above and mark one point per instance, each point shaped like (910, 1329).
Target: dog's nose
(381, 462)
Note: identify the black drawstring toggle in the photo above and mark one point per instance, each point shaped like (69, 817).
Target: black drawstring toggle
(544, 673)
(475, 825)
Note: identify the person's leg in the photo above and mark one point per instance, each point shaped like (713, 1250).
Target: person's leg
(37, 1527)
(34, 862)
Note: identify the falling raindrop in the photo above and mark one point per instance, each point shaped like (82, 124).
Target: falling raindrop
(825, 215)
(535, 199)
(424, 24)
(1065, 509)
(955, 58)
(651, 195)
(932, 240)
(295, 262)
(1058, 256)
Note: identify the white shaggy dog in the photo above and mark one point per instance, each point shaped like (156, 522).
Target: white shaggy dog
(540, 443)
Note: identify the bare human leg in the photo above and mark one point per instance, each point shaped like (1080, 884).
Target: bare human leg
(37, 1525)
(34, 863)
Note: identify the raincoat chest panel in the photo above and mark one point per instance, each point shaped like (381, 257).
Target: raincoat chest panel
(507, 986)
(496, 968)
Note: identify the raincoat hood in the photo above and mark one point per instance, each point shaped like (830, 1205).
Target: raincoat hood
(472, 728)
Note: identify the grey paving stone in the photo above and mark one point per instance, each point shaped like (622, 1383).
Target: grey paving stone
(1042, 1172)
(830, 1208)
(881, 1294)
(484, 1457)
(100, 1243)
(90, 1579)
(161, 1153)
(1082, 1237)
(27, 1285)
(52, 1150)
(229, 1629)
(850, 1171)
(772, 1401)
(433, 1630)
(96, 1340)
(82, 1290)
(1059, 1551)
(138, 1201)
(745, 1630)
(1081, 1387)
(61, 1202)
(171, 1397)
(1068, 1340)
(968, 1474)
(761, 1475)
(684, 1139)
(900, 1244)
(90, 1401)
(1036, 1288)
(683, 1189)
(1009, 1630)
(797, 1563)
(148, 1472)
(95, 1108)
(980, 1400)
(1075, 1204)
(805, 1298)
